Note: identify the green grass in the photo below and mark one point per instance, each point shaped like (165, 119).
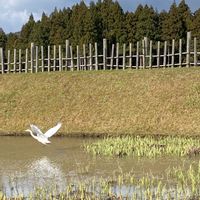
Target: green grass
(161, 101)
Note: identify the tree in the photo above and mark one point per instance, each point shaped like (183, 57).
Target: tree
(60, 26)
(147, 23)
(186, 17)
(83, 29)
(112, 17)
(25, 34)
(172, 26)
(12, 41)
(195, 27)
(41, 31)
(3, 38)
(130, 27)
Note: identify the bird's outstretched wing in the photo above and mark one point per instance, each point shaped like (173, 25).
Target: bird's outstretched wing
(36, 130)
(53, 130)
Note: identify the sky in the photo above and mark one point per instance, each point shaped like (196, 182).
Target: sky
(15, 13)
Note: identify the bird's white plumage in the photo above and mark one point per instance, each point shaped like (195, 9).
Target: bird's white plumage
(53, 130)
(37, 134)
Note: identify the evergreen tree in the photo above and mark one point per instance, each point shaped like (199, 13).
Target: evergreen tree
(147, 23)
(41, 31)
(59, 26)
(83, 29)
(195, 27)
(130, 27)
(12, 41)
(186, 17)
(112, 18)
(3, 39)
(172, 24)
(25, 34)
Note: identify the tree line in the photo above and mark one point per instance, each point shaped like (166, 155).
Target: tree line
(104, 19)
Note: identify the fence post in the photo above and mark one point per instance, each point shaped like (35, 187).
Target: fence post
(49, 58)
(14, 60)
(158, 54)
(42, 58)
(54, 57)
(173, 52)
(77, 58)
(104, 53)
(143, 55)
(20, 60)
(137, 55)
(8, 64)
(96, 56)
(72, 59)
(195, 52)
(150, 54)
(26, 61)
(124, 56)
(180, 52)
(60, 57)
(84, 58)
(130, 55)
(117, 56)
(112, 57)
(66, 53)
(32, 57)
(188, 49)
(36, 59)
(90, 56)
(165, 55)
(2, 60)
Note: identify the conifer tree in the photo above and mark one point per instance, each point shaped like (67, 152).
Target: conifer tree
(112, 17)
(130, 27)
(25, 34)
(3, 38)
(195, 27)
(186, 17)
(40, 34)
(83, 29)
(147, 23)
(57, 28)
(12, 41)
(172, 24)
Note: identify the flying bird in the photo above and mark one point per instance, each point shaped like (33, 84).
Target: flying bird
(37, 134)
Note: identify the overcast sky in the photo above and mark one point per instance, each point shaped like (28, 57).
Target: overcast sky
(15, 13)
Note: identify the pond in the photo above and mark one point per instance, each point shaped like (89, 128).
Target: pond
(26, 165)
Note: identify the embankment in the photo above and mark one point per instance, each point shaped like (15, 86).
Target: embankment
(160, 101)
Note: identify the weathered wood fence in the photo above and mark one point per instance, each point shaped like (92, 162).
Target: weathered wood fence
(143, 54)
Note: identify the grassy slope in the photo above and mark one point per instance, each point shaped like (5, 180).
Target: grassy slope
(118, 102)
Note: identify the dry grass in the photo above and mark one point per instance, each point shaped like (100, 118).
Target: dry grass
(105, 102)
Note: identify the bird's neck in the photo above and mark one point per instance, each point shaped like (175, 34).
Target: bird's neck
(32, 133)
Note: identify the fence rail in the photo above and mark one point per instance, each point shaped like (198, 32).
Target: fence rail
(144, 54)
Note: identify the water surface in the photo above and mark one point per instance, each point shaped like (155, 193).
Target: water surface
(26, 164)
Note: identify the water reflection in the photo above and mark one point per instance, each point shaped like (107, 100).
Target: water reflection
(40, 173)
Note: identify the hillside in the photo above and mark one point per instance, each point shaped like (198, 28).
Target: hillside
(161, 101)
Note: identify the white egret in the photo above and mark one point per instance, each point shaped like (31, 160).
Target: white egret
(37, 134)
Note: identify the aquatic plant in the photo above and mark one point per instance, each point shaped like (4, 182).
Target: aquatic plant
(148, 146)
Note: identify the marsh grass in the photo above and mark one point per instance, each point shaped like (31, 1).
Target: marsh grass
(181, 183)
(161, 101)
(149, 146)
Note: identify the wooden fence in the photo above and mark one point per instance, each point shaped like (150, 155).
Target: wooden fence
(144, 54)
